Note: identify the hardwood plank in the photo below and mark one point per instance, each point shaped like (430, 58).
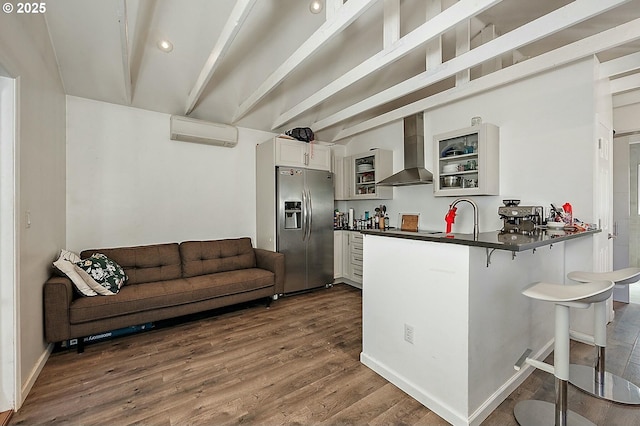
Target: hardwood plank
(4, 417)
(296, 362)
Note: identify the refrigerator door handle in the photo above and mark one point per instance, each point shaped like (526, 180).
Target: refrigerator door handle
(304, 214)
(310, 214)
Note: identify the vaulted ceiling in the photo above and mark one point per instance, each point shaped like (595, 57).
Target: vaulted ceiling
(273, 65)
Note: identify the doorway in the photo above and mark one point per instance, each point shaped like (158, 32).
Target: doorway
(632, 149)
(9, 383)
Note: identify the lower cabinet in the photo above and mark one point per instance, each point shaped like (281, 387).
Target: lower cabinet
(348, 257)
(338, 270)
(356, 256)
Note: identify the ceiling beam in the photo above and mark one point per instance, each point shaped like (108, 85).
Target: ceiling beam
(331, 6)
(231, 27)
(620, 65)
(433, 56)
(544, 26)
(390, 23)
(431, 30)
(624, 84)
(124, 48)
(581, 49)
(343, 17)
(626, 98)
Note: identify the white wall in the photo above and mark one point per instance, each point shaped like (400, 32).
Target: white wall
(546, 134)
(26, 54)
(129, 184)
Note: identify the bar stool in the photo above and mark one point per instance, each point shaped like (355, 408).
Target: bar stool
(595, 380)
(533, 412)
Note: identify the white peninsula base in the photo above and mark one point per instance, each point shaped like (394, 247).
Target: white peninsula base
(468, 323)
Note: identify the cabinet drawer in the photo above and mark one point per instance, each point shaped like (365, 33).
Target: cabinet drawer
(357, 237)
(356, 259)
(356, 273)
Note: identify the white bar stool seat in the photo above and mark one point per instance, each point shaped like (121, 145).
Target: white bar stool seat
(596, 380)
(534, 412)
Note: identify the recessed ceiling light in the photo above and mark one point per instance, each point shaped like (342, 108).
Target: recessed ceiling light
(316, 6)
(165, 45)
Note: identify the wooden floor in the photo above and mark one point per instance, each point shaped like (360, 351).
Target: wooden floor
(296, 362)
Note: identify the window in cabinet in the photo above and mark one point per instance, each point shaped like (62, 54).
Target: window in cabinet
(368, 170)
(467, 161)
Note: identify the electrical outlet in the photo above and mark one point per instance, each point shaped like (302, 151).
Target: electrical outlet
(408, 333)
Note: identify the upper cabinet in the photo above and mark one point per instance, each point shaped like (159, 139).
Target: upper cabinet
(366, 170)
(294, 153)
(356, 176)
(467, 162)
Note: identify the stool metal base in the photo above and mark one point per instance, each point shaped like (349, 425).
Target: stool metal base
(535, 413)
(614, 388)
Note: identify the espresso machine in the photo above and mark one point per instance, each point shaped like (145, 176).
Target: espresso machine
(520, 219)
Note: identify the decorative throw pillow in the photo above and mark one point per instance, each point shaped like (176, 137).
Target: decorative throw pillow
(102, 274)
(66, 264)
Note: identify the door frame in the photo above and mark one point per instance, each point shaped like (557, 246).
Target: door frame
(10, 389)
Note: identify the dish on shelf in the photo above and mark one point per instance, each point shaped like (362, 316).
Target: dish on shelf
(451, 150)
(451, 181)
(450, 168)
(555, 225)
(454, 152)
(364, 167)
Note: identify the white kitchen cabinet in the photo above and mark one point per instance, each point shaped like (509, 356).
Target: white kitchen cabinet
(356, 256)
(294, 153)
(348, 257)
(366, 170)
(340, 182)
(467, 162)
(338, 237)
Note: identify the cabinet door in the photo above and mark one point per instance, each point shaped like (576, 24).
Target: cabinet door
(318, 157)
(367, 170)
(346, 255)
(290, 153)
(467, 162)
(294, 153)
(338, 236)
(338, 178)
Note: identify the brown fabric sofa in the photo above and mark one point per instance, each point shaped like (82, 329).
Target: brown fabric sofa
(164, 281)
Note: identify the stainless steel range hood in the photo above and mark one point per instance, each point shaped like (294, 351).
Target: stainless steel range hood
(414, 172)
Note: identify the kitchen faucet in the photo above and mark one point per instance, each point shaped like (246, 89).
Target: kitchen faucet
(451, 215)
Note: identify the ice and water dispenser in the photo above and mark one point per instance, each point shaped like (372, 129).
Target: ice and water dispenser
(292, 214)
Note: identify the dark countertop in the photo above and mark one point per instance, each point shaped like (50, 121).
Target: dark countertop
(492, 240)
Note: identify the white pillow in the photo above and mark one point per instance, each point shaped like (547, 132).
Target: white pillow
(66, 263)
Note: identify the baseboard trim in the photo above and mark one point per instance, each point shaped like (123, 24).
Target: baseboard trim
(442, 409)
(33, 376)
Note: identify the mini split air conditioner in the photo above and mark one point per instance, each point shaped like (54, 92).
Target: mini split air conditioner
(199, 131)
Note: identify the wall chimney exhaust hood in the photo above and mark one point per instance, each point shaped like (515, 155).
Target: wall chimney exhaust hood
(414, 172)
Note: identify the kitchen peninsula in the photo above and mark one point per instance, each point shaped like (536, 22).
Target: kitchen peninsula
(444, 318)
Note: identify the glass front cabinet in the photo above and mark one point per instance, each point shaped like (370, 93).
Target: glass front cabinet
(366, 170)
(467, 162)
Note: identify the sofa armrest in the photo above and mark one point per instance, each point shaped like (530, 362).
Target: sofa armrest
(57, 298)
(274, 262)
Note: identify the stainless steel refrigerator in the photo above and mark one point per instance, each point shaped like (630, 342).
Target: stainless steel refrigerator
(304, 224)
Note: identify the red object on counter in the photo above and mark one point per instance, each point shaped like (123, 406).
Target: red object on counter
(568, 213)
(450, 218)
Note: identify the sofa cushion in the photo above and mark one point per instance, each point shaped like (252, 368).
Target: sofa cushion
(102, 274)
(164, 294)
(208, 257)
(144, 264)
(66, 264)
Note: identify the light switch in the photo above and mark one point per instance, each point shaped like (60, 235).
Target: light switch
(28, 219)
